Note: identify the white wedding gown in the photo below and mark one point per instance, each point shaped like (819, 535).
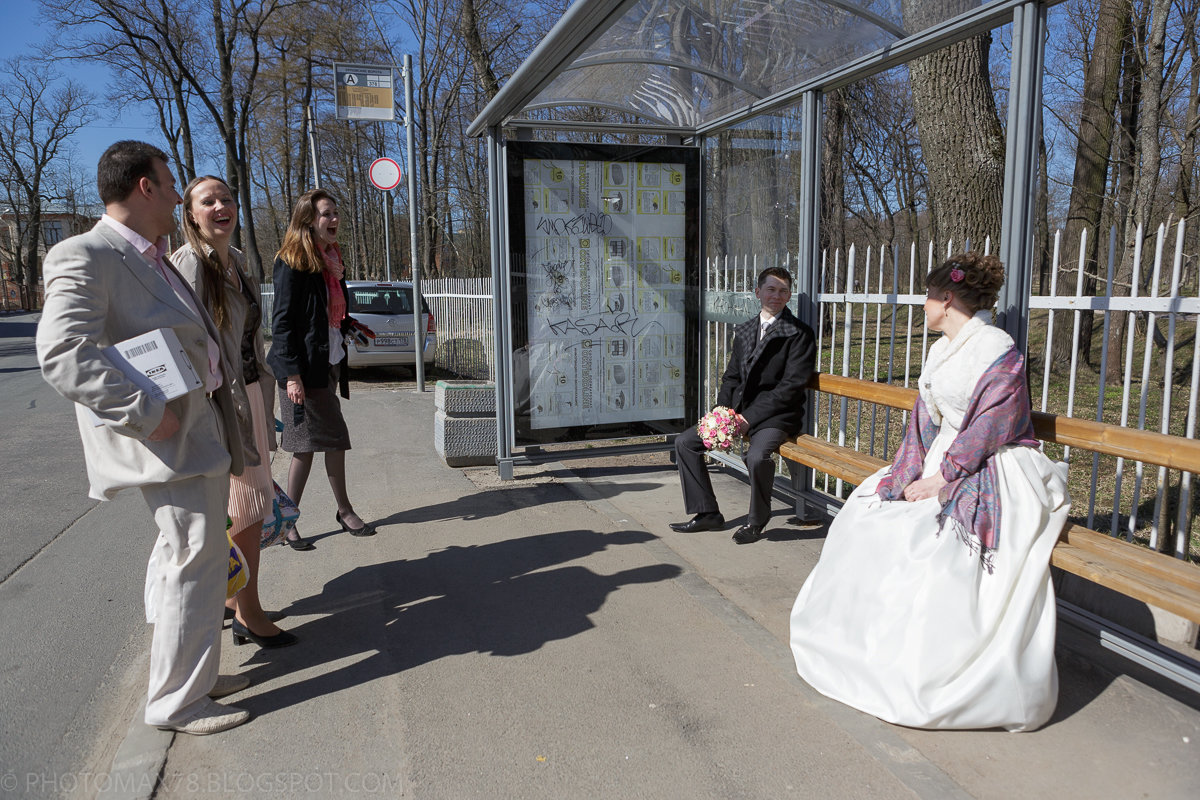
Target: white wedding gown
(901, 620)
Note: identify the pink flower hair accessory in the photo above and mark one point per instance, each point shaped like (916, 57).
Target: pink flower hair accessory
(957, 275)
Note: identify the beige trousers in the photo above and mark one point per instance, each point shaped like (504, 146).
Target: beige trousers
(185, 595)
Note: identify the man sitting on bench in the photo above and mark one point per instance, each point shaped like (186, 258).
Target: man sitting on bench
(773, 358)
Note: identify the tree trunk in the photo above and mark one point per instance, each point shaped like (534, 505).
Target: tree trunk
(833, 185)
(468, 27)
(226, 123)
(1185, 185)
(1147, 160)
(1097, 120)
(961, 137)
(29, 262)
(1042, 214)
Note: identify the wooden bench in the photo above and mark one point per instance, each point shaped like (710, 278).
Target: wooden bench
(1154, 578)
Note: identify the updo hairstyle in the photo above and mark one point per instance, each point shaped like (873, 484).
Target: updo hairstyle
(979, 279)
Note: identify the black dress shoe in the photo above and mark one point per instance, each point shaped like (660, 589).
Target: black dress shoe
(748, 534)
(708, 521)
(242, 634)
(366, 530)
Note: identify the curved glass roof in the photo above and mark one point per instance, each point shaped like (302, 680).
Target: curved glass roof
(685, 63)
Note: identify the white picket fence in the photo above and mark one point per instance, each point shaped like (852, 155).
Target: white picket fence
(466, 344)
(870, 326)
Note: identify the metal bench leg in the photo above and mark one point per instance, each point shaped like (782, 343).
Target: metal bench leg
(801, 477)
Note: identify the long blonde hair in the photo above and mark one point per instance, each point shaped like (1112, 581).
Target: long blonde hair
(299, 249)
(214, 280)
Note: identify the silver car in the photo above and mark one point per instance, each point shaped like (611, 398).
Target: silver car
(382, 331)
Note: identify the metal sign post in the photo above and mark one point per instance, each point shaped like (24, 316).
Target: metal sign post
(412, 221)
(385, 176)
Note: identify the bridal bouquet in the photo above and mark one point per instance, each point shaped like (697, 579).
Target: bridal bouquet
(718, 428)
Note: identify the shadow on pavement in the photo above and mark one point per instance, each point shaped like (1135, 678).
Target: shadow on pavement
(495, 502)
(505, 599)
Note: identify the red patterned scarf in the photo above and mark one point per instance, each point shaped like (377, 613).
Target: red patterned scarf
(333, 272)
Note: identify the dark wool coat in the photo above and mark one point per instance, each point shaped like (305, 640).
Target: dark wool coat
(300, 329)
(765, 380)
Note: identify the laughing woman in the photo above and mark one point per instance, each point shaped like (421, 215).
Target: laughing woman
(217, 273)
(308, 352)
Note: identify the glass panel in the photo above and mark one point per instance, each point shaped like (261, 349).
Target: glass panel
(687, 62)
(752, 178)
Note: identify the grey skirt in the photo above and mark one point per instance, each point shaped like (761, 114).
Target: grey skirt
(321, 427)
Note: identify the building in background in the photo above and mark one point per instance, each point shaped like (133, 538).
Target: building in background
(57, 224)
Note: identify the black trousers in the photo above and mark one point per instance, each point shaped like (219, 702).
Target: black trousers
(698, 497)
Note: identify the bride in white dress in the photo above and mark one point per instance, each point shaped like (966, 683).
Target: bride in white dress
(931, 605)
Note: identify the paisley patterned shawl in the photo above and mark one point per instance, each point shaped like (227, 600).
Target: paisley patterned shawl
(998, 415)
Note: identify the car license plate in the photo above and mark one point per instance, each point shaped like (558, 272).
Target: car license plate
(391, 341)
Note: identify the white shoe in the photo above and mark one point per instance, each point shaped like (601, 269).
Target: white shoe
(228, 684)
(213, 718)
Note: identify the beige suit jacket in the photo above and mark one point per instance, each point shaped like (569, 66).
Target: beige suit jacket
(100, 291)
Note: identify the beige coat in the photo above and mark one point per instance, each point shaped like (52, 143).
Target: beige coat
(100, 291)
(188, 263)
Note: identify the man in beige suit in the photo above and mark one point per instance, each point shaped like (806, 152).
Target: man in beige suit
(102, 287)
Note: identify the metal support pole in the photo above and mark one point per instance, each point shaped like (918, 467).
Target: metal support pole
(501, 352)
(809, 205)
(387, 235)
(1017, 225)
(312, 145)
(418, 331)
(704, 345)
(808, 274)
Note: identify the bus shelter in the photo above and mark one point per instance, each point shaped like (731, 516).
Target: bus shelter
(599, 214)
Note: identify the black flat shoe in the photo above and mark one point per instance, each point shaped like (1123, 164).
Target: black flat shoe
(299, 543)
(366, 530)
(709, 521)
(242, 635)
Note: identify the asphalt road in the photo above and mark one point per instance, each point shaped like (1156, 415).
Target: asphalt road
(71, 573)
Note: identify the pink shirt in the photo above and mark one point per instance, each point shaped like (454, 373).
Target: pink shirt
(154, 253)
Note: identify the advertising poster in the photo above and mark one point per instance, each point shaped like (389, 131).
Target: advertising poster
(607, 270)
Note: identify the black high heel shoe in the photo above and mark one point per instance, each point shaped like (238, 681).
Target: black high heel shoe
(299, 543)
(242, 635)
(366, 530)
(274, 616)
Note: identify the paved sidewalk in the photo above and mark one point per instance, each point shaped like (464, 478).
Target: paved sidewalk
(551, 637)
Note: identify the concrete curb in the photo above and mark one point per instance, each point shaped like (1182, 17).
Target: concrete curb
(138, 763)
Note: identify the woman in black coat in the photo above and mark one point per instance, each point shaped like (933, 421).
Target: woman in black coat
(308, 352)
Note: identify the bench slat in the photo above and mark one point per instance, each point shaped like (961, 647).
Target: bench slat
(1107, 570)
(1164, 566)
(840, 462)
(1154, 578)
(1164, 450)
(1160, 449)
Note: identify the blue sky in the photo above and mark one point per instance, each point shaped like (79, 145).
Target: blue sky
(21, 35)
